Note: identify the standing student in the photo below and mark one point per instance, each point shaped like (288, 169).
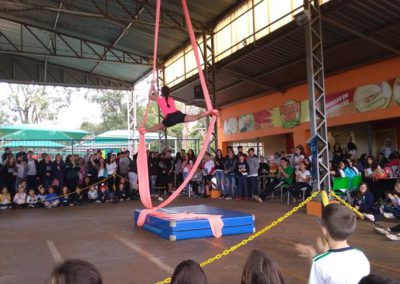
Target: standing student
(254, 164)
(230, 174)
(58, 171)
(32, 171)
(242, 169)
(219, 172)
(21, 170)
(71, 173)
(169, 167)
(45, 171)
(153, 166)
(208, 167)
(178, 169)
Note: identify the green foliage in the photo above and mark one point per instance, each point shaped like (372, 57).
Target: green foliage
(34, 104)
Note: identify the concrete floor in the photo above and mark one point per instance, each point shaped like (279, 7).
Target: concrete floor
(31, 242)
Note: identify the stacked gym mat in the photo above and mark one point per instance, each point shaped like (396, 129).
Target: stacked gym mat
(235, 222)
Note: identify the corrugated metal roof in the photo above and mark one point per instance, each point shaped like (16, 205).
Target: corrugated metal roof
(278, 59)
(102, 26)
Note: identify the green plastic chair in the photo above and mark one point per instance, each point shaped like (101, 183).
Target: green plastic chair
(341, 183)
(355, 183)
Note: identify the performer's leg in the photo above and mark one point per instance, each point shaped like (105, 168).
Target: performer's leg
(156, 128)
(190, 118)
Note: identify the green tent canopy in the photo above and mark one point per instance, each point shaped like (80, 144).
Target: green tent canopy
(34, 132)
(33, 144)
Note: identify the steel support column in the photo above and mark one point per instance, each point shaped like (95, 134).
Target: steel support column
(163, 134)
(316, 94)
(132, 126)
(209, 74)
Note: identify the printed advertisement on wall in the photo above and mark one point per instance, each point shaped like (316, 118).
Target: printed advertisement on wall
(365, 98)
(289, 115)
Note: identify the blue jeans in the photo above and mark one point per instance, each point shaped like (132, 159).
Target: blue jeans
(220, 176)
(231, 185)
(242, 187)
(253, 186)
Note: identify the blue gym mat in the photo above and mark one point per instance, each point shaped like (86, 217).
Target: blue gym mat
(235, 222)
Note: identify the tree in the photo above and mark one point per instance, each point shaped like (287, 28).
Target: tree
(4, 117)
(35, 104)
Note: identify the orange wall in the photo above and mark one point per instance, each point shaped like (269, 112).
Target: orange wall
(351, 79)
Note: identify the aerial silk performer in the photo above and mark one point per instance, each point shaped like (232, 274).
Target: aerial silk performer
(173, 117)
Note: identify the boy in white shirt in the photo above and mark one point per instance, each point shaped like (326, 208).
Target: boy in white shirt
(208, 172)
(340, 263)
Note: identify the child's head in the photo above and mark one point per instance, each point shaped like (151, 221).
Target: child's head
(51, 189)
(397, 187)
(78, 189)
(41, 188)
(31, 192)
(338, 222)
(4, 190)
(21, 189)
(207, 156)
(241, 158)
(376, 279)
(23, 184)
(251, 152)
(188, 272)
(363, 187)
(259, 268)
(87, 180)
(92, 188)
(302, 166)
(65, 190)
(75, 271)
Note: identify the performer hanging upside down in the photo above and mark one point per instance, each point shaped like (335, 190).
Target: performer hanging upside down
(172, 115)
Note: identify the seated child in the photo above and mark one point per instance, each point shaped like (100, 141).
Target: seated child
(73, 271)
(365, 203)
(93, 195)
(393, 210)
(41, 196)
(188, 272)
(20, 198)
(392, 233)
(31, 199)
(341, 263)
(259, 268)
(5, 198)
(51, 199)
(120, 192)
(79, 196)
(65, 198)
(104, 196)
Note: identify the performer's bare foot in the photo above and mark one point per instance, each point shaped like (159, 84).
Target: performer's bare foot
(213, 112)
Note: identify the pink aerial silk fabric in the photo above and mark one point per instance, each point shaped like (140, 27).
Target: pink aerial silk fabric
(215, 221)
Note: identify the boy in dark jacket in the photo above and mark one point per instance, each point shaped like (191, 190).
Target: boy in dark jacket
(242, 169)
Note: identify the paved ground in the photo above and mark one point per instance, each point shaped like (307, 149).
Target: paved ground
(31, 242)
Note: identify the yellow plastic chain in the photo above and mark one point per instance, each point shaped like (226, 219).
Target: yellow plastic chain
(358, 213)
(252, 237)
